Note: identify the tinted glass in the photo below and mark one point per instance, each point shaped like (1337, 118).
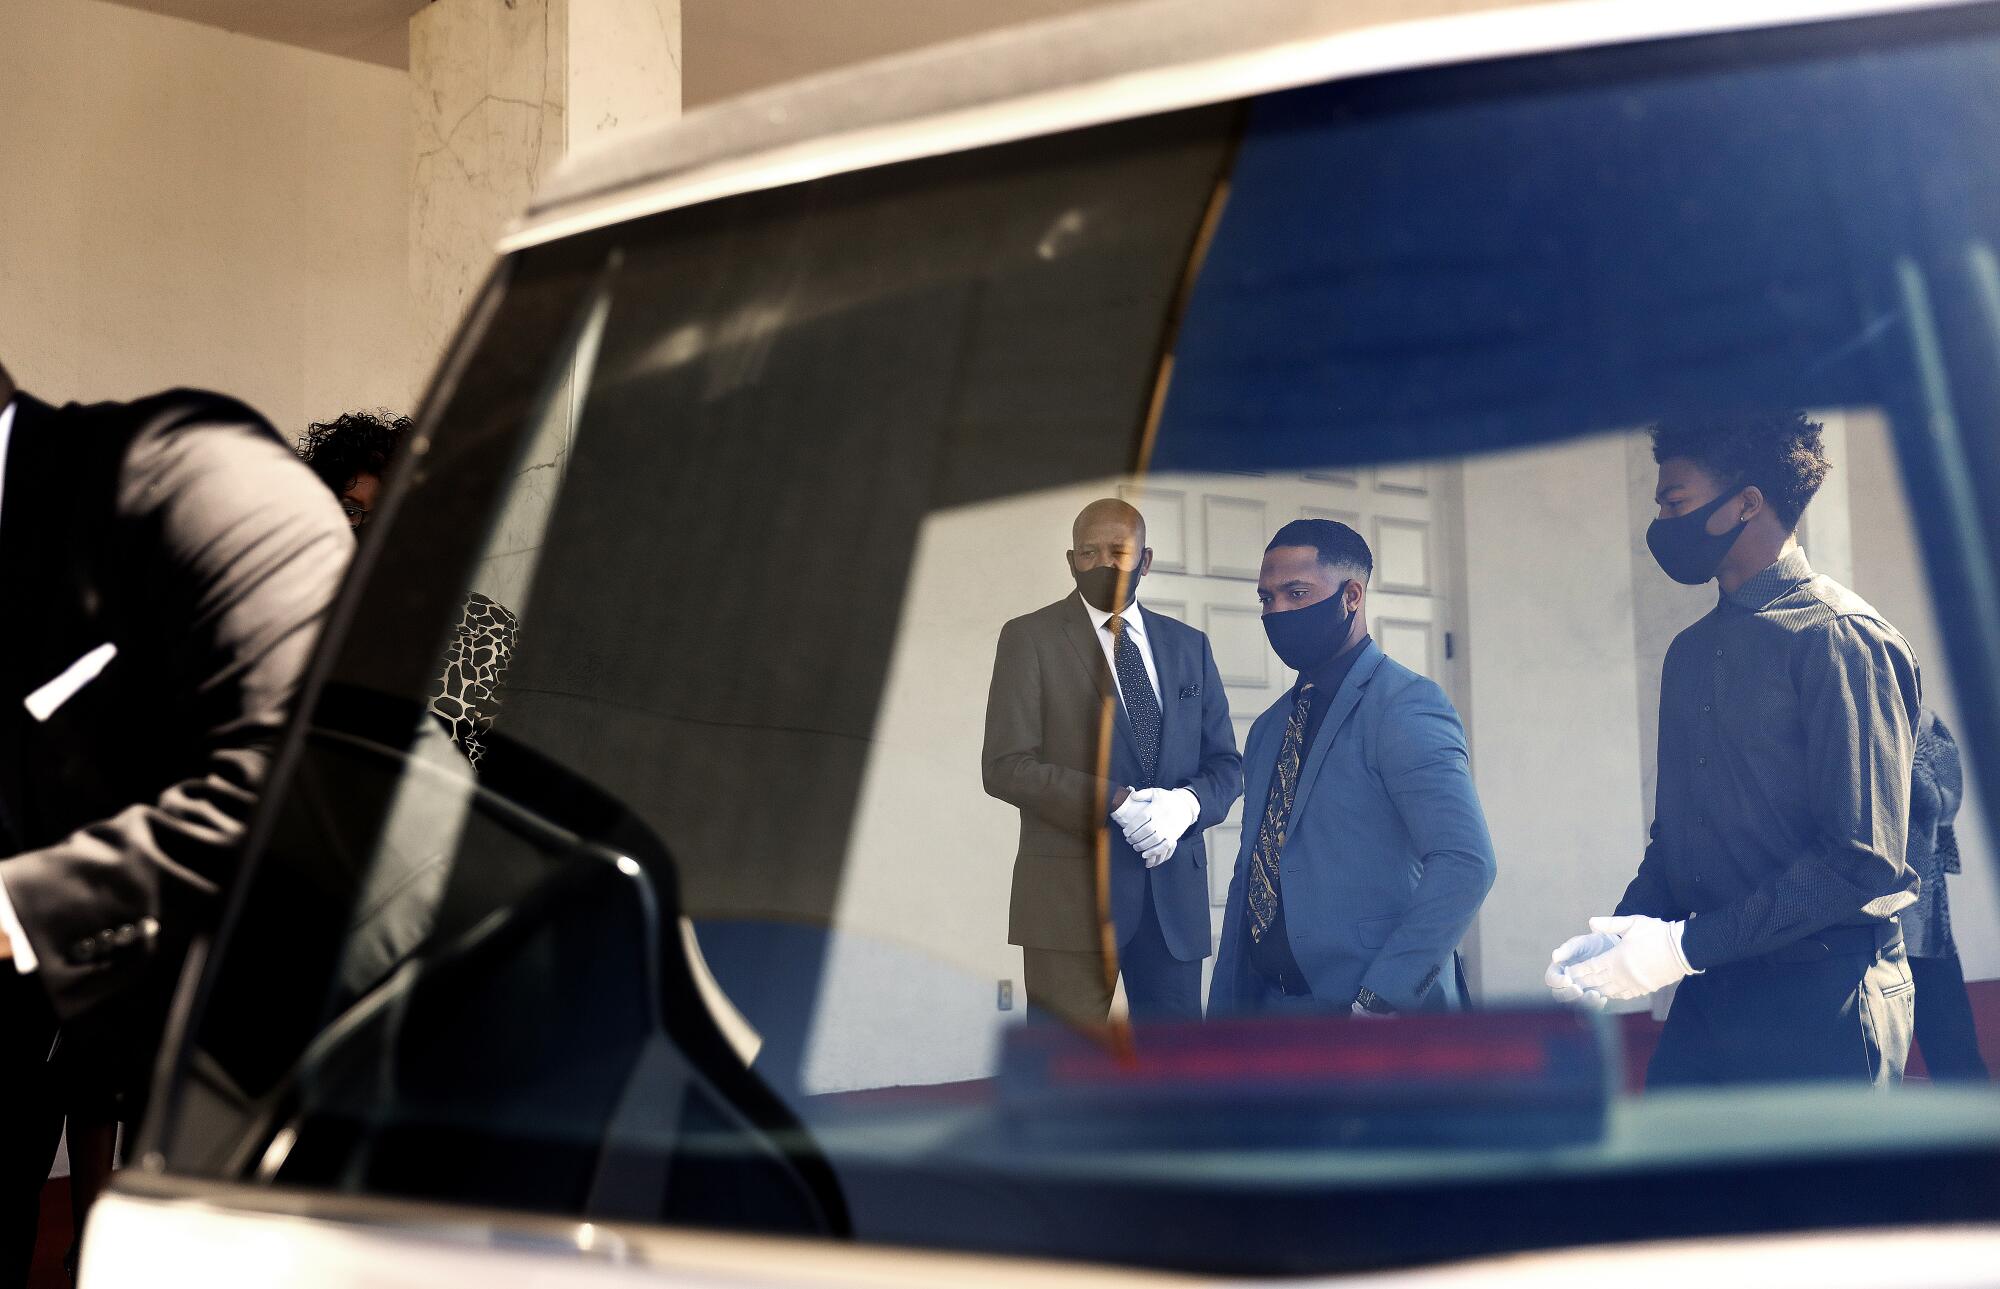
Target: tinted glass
(800, 784)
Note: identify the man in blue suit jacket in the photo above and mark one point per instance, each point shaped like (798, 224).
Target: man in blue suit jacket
(1170, 771)
(1365, 853)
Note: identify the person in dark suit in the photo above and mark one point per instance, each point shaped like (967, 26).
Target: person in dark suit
(1365, 853)
(1094, 662)
(1779, 852)
(175, 561)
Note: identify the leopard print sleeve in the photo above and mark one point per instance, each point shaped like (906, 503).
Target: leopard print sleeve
(467, 694)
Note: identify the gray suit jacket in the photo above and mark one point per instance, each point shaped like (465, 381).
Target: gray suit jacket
(1386, 858)
(1044, 754)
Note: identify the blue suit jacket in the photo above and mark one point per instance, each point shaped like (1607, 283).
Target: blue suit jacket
(1044, 715)
(1386, 857)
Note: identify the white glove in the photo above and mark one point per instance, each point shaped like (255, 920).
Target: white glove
(1131, 809)
(1129, 816)
(1169, 813)
(1576, 949)
(1646, 958)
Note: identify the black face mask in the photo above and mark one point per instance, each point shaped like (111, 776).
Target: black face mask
(1305, 638)
(1684, 548)
(1100, 587)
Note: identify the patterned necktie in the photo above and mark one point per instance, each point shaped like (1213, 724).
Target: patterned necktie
(1264, 880)
(1141, 707)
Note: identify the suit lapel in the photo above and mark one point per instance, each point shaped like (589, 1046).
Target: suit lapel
(24, 534)
(1345, 700)
(33, 483)
(1090, 656)
(1260, 762)
(1165, 661)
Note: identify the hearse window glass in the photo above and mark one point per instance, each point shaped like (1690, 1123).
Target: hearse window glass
(809, 769)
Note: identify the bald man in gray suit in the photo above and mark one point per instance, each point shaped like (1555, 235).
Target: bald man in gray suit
(1170, 772)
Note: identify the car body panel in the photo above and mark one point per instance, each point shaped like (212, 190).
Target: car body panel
(1106, 65)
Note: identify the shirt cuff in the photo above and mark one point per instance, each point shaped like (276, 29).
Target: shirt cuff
(1680, 929)
(25, 960)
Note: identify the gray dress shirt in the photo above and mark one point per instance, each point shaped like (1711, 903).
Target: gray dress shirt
(1787, 719)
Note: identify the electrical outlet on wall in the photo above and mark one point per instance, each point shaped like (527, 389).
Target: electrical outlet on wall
(1006, 999)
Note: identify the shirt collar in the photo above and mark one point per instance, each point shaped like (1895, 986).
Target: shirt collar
(1789, 571)
(1332, 674)
(6, 436)
(1135, 621)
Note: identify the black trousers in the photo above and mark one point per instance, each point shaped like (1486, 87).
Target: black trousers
(1074, 987)
(31, 1124)
(1845, 1017)
(1945, 1031)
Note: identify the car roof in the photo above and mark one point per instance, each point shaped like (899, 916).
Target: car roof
(1104, 64)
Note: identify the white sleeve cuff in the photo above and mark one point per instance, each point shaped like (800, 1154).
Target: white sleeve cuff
(1679, 929)
(25, 960)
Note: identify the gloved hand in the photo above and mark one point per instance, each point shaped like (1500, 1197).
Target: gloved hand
(1129, 815)
(1169, 813)
(1576, 949)
(1128, 810)
(1647, 957)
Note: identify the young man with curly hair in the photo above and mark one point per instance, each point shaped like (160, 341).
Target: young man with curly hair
(1777, 865)
(351, 453)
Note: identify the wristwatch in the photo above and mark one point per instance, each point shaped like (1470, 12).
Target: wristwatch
(1370, 1001)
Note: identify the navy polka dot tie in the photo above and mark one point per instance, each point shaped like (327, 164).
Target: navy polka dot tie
(1141, 707)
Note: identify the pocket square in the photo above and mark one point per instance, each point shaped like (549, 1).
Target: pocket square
(43, 703)
(1190, 691)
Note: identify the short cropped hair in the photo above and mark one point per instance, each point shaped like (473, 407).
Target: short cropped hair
(353, 444)
(1780, 452)
(1338, 545)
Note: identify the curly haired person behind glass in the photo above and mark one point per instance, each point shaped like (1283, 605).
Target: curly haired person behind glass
(351, 454)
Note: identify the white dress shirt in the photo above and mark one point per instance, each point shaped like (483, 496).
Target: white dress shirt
(24, 953)
(1135, 623)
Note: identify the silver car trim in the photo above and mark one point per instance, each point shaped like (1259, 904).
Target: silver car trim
(1094, 68)
(661, 1248)
(1947, 1257)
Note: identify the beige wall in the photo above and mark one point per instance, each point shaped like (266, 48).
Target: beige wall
(1553, 725)
(1888, 570)
(179, 205)
(736, 46)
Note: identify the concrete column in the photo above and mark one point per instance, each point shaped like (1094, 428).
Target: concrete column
(503, 89)
(1555, 748)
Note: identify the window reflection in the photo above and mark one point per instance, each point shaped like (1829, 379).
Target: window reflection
(1520, 584)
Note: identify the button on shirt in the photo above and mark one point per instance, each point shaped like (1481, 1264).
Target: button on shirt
(1787, 719)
